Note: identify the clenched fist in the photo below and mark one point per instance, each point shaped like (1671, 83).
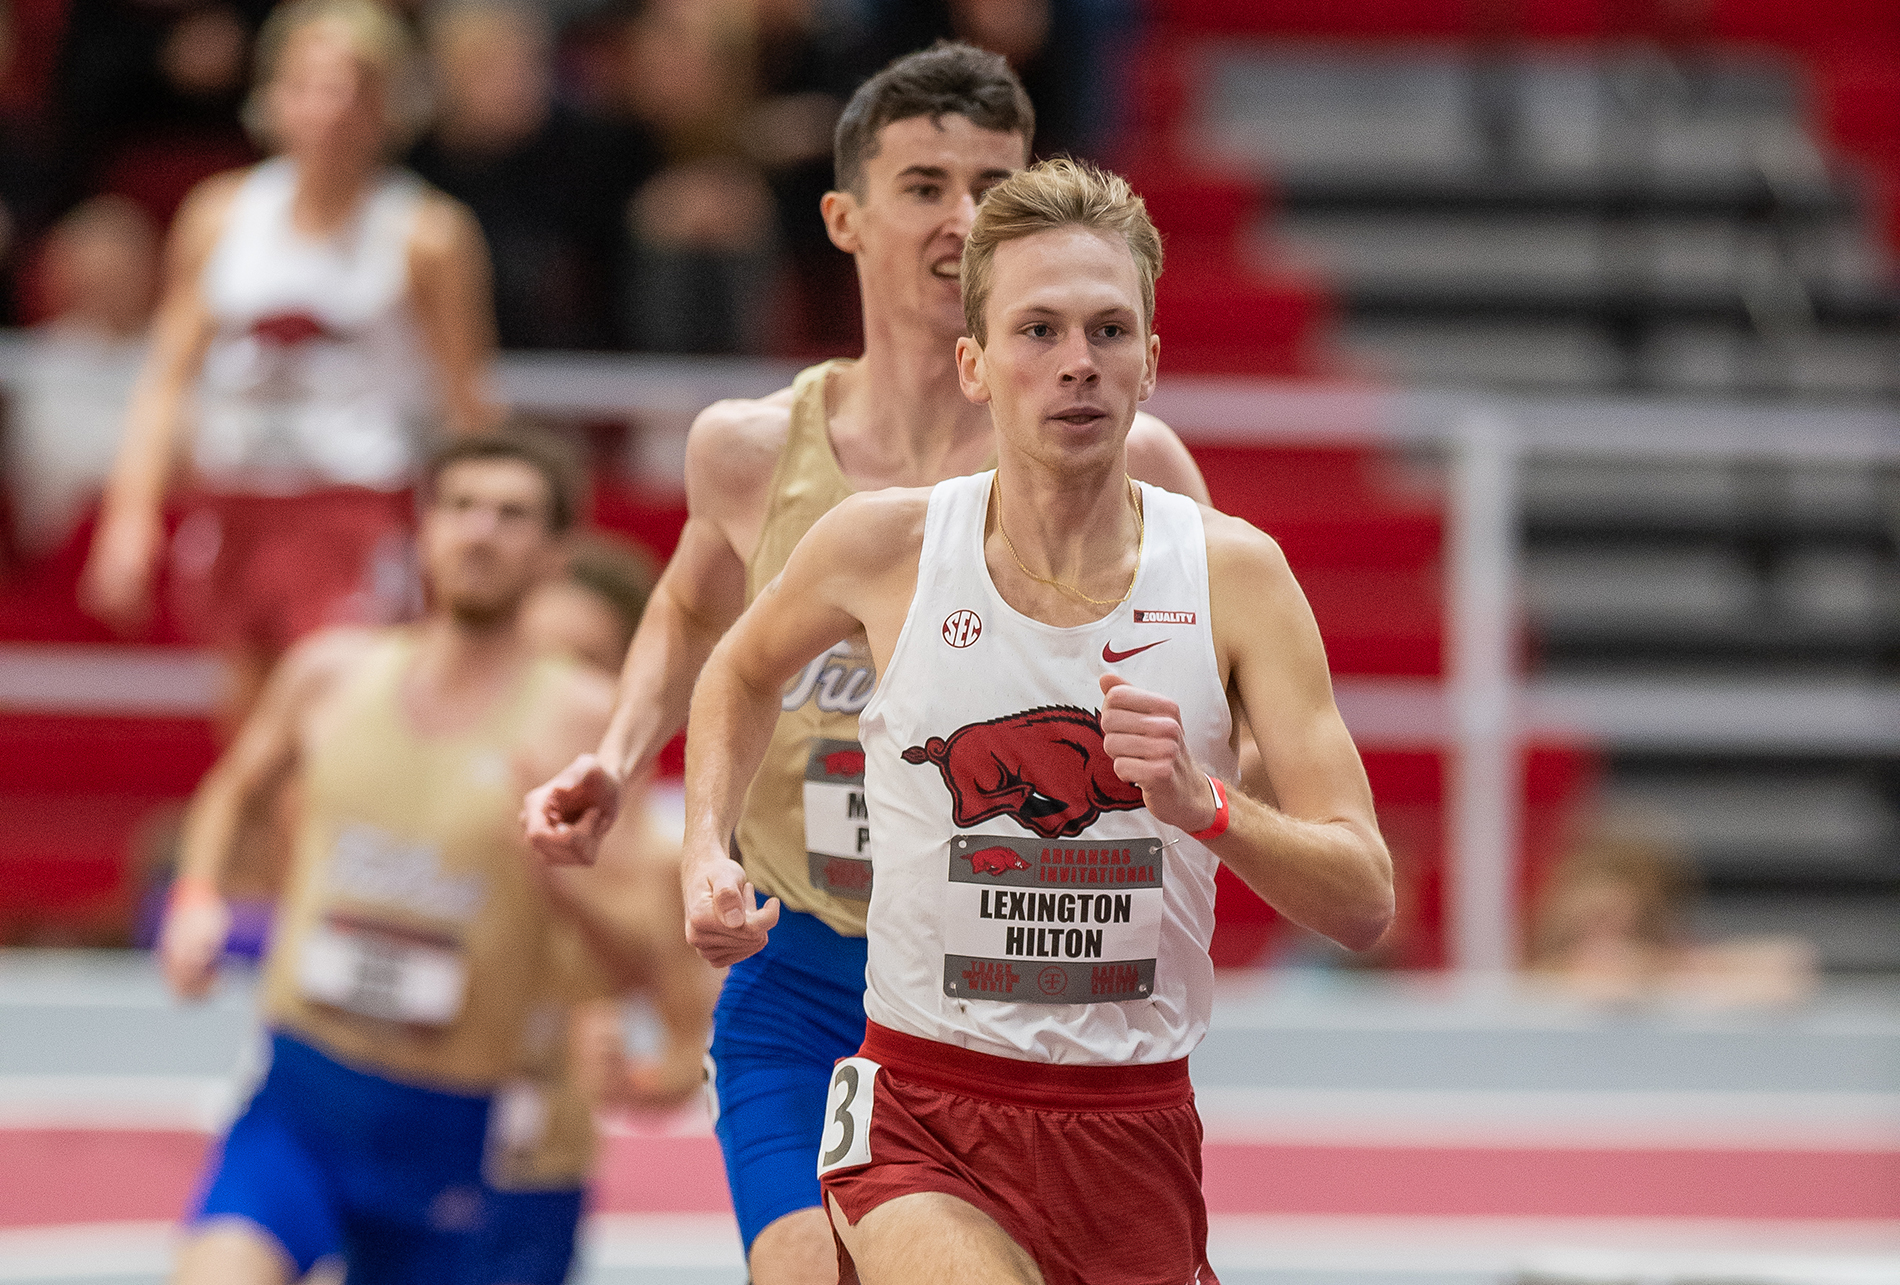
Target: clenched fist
(1142, 733)
(566, 818)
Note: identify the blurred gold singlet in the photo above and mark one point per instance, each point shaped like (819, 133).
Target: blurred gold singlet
(804, 836)
(415, 941)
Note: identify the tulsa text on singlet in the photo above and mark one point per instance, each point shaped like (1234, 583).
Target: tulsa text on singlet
(1027, 904)
(415, 942)
(804, 834)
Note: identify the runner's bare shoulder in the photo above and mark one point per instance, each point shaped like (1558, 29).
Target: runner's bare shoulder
(873, 531)
(1255, 598)
(1157, 455)
(445, 234)
(1239, 553)
(321, 662)
(201, 219)
(583, 701)
(731, 452)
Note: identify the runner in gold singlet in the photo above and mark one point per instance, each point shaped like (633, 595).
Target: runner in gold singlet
(421, 1118)
(917, 147)
(814, 770)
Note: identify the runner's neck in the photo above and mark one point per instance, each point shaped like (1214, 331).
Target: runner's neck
(898, 416)
(1079, 528)
(457, 674)
(329, 191)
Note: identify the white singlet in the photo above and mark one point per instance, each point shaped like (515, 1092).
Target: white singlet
(1026, 904)
(315, 375)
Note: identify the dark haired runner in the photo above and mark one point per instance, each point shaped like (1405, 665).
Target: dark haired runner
(421, 1118)
(1064, 659)
(917, 148)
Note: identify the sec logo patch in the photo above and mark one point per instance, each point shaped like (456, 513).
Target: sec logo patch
(961, 628)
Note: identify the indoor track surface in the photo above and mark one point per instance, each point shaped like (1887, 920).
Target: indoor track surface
(1360, 1131)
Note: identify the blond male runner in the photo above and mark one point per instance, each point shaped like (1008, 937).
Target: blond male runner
(1063, 657)
(419, 1118)
(917, 147)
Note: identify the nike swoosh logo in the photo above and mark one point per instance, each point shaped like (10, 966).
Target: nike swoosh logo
(1114, 657)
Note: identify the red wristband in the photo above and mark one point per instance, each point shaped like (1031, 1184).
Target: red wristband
(1219, 827)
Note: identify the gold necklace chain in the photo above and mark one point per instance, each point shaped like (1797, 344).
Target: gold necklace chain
(1141, 537)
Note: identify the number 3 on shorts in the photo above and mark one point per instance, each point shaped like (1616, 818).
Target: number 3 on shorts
(847, 1137)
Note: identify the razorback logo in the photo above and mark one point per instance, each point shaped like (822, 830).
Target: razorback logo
(844, 763)
(1044, 767)
(288, 329)
(996, 861)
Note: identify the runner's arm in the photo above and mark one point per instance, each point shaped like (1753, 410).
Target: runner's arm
(849, 563)
(677, 982)
(264, 752)
(625, 911)
(1315, 855)
(455, 309)
(729, 463)
(116, 586)
(632, 900)
(1157, 456)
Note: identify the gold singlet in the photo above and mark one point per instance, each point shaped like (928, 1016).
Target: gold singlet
(804, 835)
(541, 1132)
(414, 939)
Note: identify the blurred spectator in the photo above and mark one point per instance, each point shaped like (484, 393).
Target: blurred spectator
(808, 58)
(98, 277)
(703, 230)
(1609, 928)
(1064, 51)
(548, 187)
(25, 189)
(148, 95)
(323, 313)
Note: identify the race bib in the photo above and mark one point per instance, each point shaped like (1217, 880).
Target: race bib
(517, 1117)
(837, 824)
(847, 1138)
(1032, 921)
(383, 971)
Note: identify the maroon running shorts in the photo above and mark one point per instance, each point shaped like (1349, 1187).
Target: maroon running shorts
(1094, 1170)
(262, 571)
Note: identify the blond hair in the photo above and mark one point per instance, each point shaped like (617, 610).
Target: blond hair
(375, 35)
(1053, 194)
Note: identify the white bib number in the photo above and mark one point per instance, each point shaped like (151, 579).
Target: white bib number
(837, 823)
(847, 1137)
(1035, 921)
(382, 973)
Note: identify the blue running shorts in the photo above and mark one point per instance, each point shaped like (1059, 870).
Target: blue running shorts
(332, 1160)
(784, 1017)
(528, 1238)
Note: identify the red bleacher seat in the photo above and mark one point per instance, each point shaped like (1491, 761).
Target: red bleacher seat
(160, 175)
(1231, 321)
(1366, 545)
(1804, 24)
(1388, 18)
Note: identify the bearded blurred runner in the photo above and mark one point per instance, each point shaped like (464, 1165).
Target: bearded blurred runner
(420, 1118)
(1064, 656)
(916, 149)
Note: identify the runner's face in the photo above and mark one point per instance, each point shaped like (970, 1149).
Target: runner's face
(568, 619)
(1069, 358)
(485, 539)
(921, 191)
(324, 101)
